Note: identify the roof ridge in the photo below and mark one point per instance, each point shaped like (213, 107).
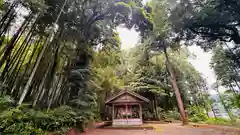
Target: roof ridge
(127, 91)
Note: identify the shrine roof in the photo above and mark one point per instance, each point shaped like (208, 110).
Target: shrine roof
(126, 92)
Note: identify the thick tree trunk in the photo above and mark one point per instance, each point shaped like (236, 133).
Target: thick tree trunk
(176, 89)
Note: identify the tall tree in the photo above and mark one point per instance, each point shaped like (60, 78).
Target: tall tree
(225, 69)
(160, 40)
(209, 20)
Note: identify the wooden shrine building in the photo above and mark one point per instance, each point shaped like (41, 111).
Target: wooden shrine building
(126, 108)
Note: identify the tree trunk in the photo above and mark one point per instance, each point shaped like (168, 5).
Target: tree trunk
(223, 103)
(59, 87)
(238, 63)
(204, 103)
(232, 89)
(11, 9)
(155, 107)
(40, 58)
(215, 116)
(40, 89)
(54, 92)
(176, 89)
(10, 46)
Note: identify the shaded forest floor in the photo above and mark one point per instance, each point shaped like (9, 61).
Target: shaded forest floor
(166, 129)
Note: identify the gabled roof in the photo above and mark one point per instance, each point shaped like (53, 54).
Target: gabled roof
(127, 92)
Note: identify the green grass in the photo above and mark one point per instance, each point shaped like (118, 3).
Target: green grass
(222, 122)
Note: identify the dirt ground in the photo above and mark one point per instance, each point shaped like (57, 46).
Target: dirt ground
(163, 129)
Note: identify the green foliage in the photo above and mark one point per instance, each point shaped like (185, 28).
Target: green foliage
(22, 129)
(197, 114)
(168, 115)
(150, 78)
(5, 102)
(35, 5)
(15, 121)
(218, 121)
(1, 4)
(122, 7)
(209, 20)
(27, 120)
(237, 101)
(224, 66)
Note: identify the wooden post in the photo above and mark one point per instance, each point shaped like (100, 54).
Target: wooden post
(112, 112)
(140, 111)
(127, 113)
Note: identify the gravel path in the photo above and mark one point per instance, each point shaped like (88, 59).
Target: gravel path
(163, 129)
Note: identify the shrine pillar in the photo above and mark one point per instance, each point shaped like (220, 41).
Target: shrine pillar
(140, 111)
(113, 113)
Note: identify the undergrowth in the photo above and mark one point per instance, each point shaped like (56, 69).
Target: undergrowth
(24, 120)
(197, 115)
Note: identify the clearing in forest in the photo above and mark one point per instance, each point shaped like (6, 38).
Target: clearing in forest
(164, 129)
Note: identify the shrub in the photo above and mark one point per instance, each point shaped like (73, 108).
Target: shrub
(15, 121)
(147, 115)
(5, 102)
(196, 114)
(26, 120)
(22, 128)
(171, 114)
(223, 121)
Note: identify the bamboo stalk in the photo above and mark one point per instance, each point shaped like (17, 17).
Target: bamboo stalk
(40, 89)
(20, 66)
(26, 89)
(13, 40)
(11, 70)
(28, 64)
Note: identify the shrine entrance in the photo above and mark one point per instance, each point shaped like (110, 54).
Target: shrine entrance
(126, 108)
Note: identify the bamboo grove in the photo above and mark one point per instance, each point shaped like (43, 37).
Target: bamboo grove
(46, 53)
(46, 59)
